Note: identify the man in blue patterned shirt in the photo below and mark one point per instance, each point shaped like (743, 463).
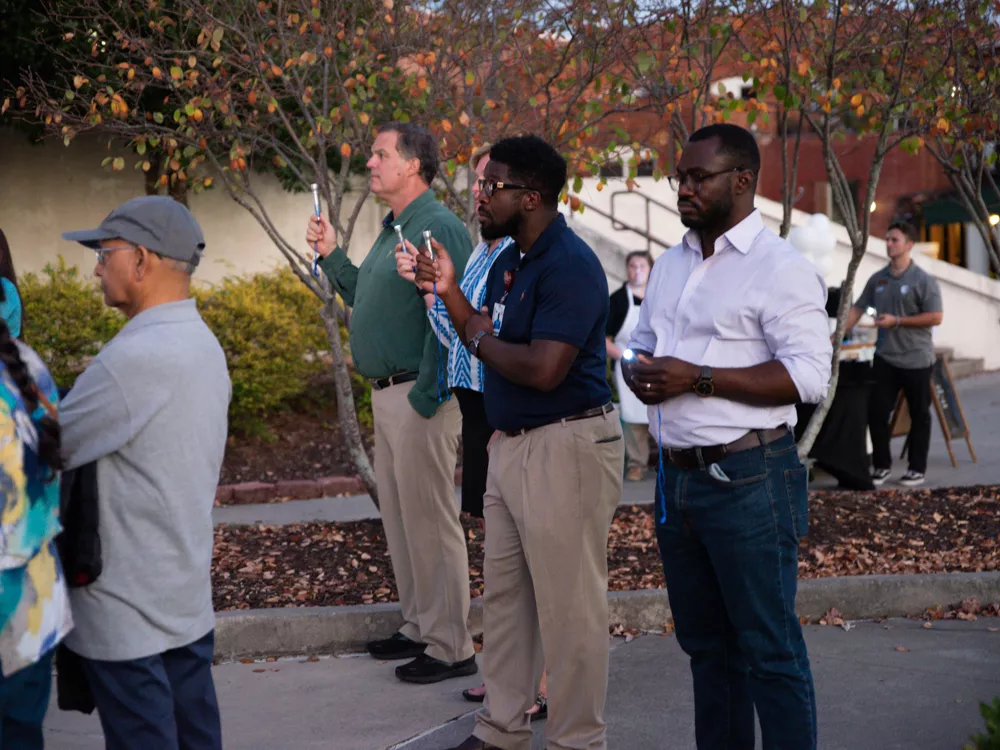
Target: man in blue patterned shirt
(465, 372)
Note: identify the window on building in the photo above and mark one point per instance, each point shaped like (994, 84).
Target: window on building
(950, 239)
(644, 168)
(612, 169)
(833, 211)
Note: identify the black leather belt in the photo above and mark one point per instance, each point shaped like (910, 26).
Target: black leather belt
(404, 377)
(702, 456)
(598, 411)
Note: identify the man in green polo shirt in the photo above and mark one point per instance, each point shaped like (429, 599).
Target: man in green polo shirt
(417, 423)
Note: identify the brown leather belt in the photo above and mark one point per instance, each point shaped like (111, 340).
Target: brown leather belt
(404, 377)
(598, 411)
(702, 456)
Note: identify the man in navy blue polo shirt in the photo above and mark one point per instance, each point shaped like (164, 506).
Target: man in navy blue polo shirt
(556, 460)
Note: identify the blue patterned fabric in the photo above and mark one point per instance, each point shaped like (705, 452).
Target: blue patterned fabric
(464, 370)
(10, 308)
(34, 603)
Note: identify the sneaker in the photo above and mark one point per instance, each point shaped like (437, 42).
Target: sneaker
(635, 474)
(911, 479)
(879, 476)
(425, 669)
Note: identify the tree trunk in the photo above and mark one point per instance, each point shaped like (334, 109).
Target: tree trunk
(819, 416)
(789, 173)
(179, 191)
(152, 175)
(347, 414)
(176, 189)
(968, 184)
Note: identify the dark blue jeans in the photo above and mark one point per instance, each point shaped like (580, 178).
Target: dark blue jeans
(730, 555)
(161, 702)
(24, 699)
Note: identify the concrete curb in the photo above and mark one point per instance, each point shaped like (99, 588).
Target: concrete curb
(289, 631)
(250, 493)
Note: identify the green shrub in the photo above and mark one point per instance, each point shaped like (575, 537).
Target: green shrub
(268, 325)
(271, 340)
(991, 739)
(66, 320)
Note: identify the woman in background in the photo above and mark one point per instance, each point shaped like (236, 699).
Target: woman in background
(34, 603)
(10, 296)
(623, 315)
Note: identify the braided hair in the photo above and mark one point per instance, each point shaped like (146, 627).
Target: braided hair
(47, 426)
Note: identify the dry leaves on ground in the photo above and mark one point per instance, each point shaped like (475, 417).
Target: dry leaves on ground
(315, 564)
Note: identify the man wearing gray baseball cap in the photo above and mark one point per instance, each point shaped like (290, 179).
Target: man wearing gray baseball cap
(151, 410)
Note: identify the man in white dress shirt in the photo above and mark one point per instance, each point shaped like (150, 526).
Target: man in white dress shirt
(732, 333)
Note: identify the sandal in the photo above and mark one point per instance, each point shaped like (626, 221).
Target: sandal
(473, 695)
(542, 704)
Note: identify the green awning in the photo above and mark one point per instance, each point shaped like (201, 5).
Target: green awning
(948, 209)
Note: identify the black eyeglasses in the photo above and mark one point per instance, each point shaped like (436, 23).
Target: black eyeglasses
(695, 180)
(488, 187)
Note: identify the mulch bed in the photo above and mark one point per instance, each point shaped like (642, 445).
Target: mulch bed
(294, 454)
(850, 533)
(301, 443)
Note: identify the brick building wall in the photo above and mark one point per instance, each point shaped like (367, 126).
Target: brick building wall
(903, 175)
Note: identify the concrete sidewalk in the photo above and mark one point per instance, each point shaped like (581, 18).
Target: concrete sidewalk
(980, 399)
(361, 507)
(871, 696)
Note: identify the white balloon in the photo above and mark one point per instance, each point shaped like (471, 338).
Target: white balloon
(816, 242)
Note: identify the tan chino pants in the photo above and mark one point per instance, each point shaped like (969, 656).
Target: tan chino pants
(636, 445)
(415, 472)
(551, 494)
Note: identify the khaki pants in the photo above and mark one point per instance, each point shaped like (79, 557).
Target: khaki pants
(636, 445)
(550, 498)
(415, 471)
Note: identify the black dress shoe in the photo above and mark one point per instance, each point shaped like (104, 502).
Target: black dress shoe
(396, 646)
(424, 670)
(474, 743)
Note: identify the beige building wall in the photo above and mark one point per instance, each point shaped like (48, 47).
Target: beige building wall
(49, 189)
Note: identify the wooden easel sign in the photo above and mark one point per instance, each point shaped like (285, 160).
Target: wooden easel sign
(948, 406)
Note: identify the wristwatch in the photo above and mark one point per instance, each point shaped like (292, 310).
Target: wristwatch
(704, 386)
(474, 343)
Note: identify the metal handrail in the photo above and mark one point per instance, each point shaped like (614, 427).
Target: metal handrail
(616, 224)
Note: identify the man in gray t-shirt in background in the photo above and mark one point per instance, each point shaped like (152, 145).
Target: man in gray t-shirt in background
(907, 303)
(151, 410)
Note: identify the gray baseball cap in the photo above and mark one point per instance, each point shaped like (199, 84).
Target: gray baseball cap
(157, 222)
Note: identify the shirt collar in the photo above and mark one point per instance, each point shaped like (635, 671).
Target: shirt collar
(501, 246)
(741, 236)
(168, 312)
(545, 240)
(412, 207)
